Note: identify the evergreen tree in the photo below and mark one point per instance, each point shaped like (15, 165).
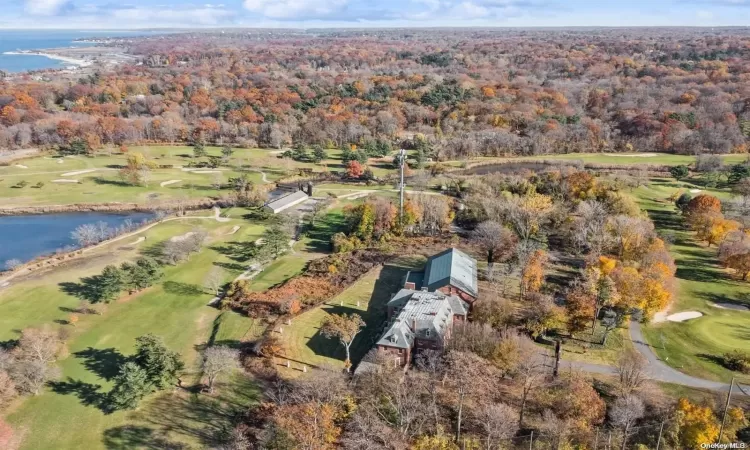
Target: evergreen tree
(300, 153)
(199, 150)
(131, 385)
(227, 152)
(276, 240)
(144, 273)
(160, 363)
(319, 154)
(109, 284)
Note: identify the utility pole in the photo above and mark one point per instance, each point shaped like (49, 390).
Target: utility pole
(726, 409)
(402, 156)
(658, 441)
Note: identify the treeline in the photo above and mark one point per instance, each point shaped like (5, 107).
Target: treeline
(469, 94)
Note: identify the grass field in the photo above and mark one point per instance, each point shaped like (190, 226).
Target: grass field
(694, 346)
(175, 309)
(303, 343)
(99, 180)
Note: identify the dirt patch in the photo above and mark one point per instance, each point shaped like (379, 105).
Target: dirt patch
(21, 166)
(235, 229)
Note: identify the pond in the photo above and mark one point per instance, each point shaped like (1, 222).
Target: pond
(27, 237)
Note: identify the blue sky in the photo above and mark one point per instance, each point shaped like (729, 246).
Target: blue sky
(125, 14)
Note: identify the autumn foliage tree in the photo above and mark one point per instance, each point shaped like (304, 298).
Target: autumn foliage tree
(532, 273)
(345, 328)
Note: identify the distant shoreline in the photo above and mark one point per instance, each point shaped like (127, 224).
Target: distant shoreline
(65, 59)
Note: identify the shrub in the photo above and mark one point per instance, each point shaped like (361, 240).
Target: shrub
(21, 184)
(737, 360)
(39, 185)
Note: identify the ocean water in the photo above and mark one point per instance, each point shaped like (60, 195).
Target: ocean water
(13, 40)
(26, 237)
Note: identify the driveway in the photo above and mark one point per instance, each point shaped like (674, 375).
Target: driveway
(656, 369)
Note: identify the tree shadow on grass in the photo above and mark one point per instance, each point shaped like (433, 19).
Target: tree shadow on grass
(106, 181)
(88, 393)
(207, 418)
(155, 251)
(132, 436)
(175, 287)
(105, 363)
(87, 289)
(238, 251)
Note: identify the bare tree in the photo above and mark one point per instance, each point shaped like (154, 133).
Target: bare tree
(218, 360)
(496, 241)
(468, 374)
(497, 422)
(529, 373)
(31, 375)
(624, 413)
(558, 429)
(39, 344)
(11, 264)
(590, 229)
(214, 280)
(7, 389)
(86, 234)
(631, 368)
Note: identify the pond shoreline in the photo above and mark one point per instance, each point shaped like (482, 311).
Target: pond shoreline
(113, 207)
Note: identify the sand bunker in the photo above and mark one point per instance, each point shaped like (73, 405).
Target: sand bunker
(637, 155)
(182, 237)
(695, 191)
(167, 183)
(60, 161)
(21, 166)
(206, 171)
(234, 230)
(217, 216)
(732, 306)
(65, 181)
(683, 316)
(80, 172)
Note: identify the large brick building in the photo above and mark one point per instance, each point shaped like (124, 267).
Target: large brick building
(419, 320)
(422, 314)
(451, 272)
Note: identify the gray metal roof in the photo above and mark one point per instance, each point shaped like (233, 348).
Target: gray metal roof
(422, 314)
(454, 267)
(282, 202)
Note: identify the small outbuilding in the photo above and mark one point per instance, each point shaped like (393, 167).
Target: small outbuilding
(282, 203)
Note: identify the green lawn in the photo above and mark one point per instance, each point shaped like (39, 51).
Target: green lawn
(104, 184)
(693, 346)
(66, 416)
(303, 343)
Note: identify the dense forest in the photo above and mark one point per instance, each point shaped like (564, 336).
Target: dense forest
(468, 92)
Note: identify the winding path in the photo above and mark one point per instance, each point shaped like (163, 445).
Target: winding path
(656, 369)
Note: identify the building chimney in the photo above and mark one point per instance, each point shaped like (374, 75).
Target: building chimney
(414, 325)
